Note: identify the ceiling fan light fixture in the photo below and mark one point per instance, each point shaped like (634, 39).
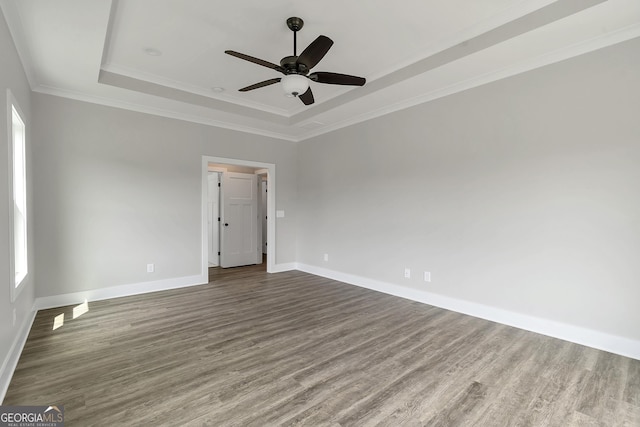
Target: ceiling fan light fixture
(295, 84)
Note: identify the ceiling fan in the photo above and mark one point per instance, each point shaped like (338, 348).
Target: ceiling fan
(296, 68)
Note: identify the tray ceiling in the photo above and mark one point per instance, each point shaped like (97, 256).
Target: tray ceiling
(167, 57)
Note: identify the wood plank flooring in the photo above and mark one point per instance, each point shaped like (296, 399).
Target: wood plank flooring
(292, 349)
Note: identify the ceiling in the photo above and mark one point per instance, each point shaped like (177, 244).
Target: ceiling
(413, 52)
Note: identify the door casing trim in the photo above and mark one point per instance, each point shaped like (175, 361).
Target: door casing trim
(271, 207)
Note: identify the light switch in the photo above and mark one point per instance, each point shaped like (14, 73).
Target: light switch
(279, 214)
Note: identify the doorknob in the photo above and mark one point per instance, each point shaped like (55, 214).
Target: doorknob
(226, 224)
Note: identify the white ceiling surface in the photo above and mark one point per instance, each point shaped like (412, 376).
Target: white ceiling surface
(412, 52)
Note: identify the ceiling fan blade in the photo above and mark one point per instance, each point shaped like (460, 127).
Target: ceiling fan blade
(307, 97)
(261, 84)
(337, 79)
(255, 60)
(315, 52)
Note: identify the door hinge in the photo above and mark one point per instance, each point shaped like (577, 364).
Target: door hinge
(218, 184)
(218, 219)
(218, 253)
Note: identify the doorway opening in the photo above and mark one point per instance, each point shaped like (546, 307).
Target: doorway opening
(235, 212)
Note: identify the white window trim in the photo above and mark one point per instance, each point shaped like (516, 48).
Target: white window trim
(16, 288)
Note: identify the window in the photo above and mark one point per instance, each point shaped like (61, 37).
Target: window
(17, 158)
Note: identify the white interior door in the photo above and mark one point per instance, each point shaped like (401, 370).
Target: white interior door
(213, 223)
(238, 231)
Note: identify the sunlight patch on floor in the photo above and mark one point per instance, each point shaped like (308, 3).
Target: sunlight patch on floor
(80, 309)
(58, 321)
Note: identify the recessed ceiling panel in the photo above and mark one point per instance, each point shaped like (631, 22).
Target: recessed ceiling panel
(370, 39)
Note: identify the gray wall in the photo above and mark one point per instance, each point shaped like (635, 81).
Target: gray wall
(116, 190)
(12, 77)
(521, 195)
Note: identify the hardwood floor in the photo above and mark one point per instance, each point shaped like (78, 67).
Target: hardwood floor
(253, 349)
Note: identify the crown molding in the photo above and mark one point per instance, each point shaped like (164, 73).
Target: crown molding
(577, 49)
(116, 103)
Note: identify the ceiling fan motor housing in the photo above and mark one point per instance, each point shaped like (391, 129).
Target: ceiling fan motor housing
(291, 66)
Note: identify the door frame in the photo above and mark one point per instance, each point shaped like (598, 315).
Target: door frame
(263, 247)
(271, 207)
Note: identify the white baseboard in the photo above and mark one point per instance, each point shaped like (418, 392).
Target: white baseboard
(588, 337)
(54, 301)
(284, 266)
(118, 291)
(11, 361)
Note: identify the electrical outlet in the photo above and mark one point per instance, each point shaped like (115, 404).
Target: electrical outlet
(427, 276)
(407, 273)
(150, 268)
(326, 257)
